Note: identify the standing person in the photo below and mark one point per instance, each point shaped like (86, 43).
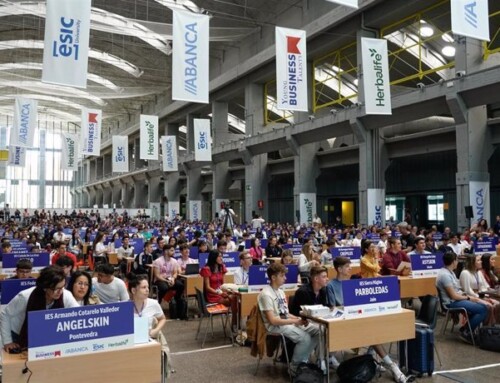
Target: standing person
(227, 216)
(257, 222)
(277, 318)
(369, 262)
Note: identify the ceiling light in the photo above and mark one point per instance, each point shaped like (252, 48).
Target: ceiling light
(448, 51)
(356, 81)
(447, 37)
(426, 31)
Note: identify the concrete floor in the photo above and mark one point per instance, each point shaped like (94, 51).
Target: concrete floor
(221, 363)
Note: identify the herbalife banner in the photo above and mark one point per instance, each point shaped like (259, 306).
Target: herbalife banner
(69, 151)
(291, 69)
(149, 137)
(190, 57)
(376, 207)
(479, 197)
(17, 156)
(377, 91)
(91, 132)
(347, 3)
(470, 18)
(120, 154)
(65, 54)
(202, 140)
(169, 150)
(195, 210)
(307, 203)
(174, 208)
(25, 121)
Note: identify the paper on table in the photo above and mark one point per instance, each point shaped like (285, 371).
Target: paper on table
(141, 330)
(402, 265)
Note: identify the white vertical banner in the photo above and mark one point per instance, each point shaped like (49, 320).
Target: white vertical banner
(149, 137)
(377, 91)
(66, 49)
(376, 207)
(169, 151)
(470, 18)
(195, 210)
(120, 154)
(479, 197)
(202, 140)
(291, 69)
(307, 203)
(91, 132)
(17, 156)
(69, 151)
(347, 3)
(190, 57)
(174, 208)
(24, 124)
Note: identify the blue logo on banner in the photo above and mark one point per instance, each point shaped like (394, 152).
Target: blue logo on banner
(69, 37)
(353, 253)
(191, 52)
(202, 141)
(426, 261)
(370, 290)
(470, 14)
(11, 287)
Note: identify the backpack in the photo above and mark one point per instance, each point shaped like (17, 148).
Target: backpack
(489, 338)
(308, 373)
(360, 369)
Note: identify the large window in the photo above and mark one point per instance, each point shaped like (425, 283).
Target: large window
(435, 208)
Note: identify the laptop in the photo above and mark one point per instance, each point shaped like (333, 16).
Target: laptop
(192, 268)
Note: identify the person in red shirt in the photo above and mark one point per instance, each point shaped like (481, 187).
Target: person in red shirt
(393, 257)
(61, 250)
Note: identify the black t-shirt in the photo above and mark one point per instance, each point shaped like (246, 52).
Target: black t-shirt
(407, 240)
(305, 296)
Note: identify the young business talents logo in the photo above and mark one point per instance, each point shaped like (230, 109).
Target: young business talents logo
(295, 71)
(92, 130)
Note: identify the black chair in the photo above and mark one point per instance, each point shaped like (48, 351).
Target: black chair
(427, 317)
(453, 314)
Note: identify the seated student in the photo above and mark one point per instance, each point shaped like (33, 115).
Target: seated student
(6, 247)
(165, 271)
(488, 270)
(160, 242)
(23, 269)
(67, 264)
(272, 248)
(80, 285)
(394, 256)
(308, 258)
(369, 267)
(326, 256)
(123, 252)
(184, 259)
(314, 293)
(452, 296)
(336, 298)
(143, 259)
(108, 288)
(287, 257)
(49, 293)
(241, 274)
(272, 303)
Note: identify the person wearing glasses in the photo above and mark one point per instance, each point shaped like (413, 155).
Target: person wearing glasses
(241, 274)
(23, 269)
(80, 285)
(48, 294)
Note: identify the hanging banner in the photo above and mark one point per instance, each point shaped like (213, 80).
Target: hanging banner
(174, 208)
(149, 137)
(470, 18)
(190, 57)
(169, 151)
(120, 154)
(479, 197)
(91, 132)
(17, 156)
(65, 54)
(195, 210)
(25, 122)
(376, 80)
(69, 151)
(347, 3)
(307, 203)
(202, 140)
(291, 69)
(376, 207)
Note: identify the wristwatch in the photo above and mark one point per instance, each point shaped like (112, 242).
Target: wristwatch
(468, 298)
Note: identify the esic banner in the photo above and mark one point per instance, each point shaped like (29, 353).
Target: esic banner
(195, 210)
(17, 156)
(91, 132)
(377, 90)
(169, 151)
(149, 137)
(376, 207)
(174, 208)
(190, 57)
(24, 124)
(202, 140)
(69, 151)
(307, 203)
(479, 197)
(347, 3)
(470, 18)
(120, 154)
(65, 54)
(291, 69)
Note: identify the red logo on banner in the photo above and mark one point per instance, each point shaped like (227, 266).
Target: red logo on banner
(57, 353)
(260, 204)
(93, 117)
(292, 42)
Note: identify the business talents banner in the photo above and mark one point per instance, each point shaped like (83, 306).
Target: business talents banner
(17, 156)
(470, 18)
(69, 151)
(377, 90)
(291, 69)
(202, 140)
(120, 154)
(190, 57)
(66, 48)
(169, 152)
(149, 137)
(91, 132)
(24, 124)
